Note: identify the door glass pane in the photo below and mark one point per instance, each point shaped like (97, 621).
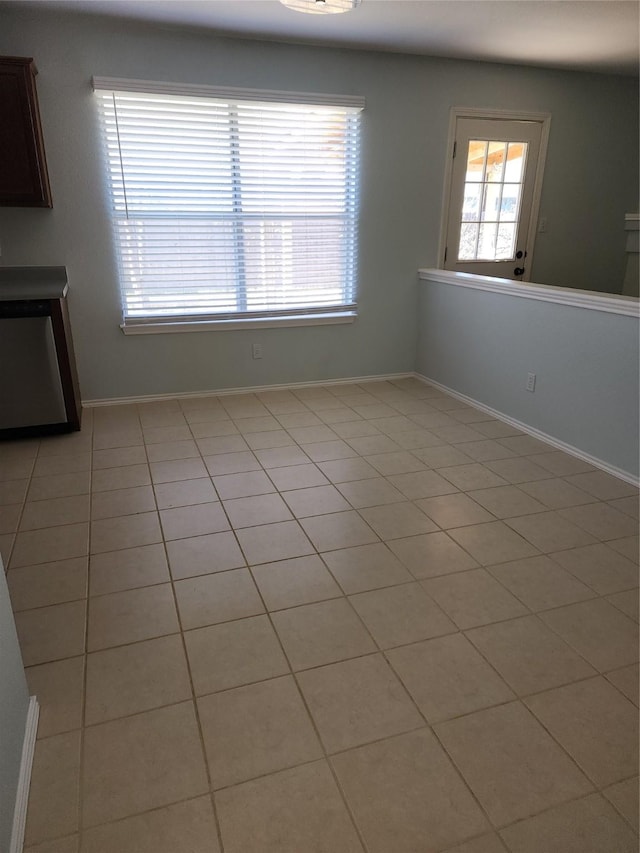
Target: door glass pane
(505, 244)
(491, 202)
(487, 242)
(495, 161)
(471, 203)
(492, 198)
(510, 204)
(476, 158)
(515, 161)
(468, 240)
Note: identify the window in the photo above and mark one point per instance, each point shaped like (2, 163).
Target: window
(231, 205)
(491, 205)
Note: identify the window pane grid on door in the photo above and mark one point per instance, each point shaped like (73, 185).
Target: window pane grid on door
(492, 200)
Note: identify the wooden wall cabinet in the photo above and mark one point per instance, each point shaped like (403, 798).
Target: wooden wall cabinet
(24, 181)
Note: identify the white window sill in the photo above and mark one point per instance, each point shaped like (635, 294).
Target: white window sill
(160, 328)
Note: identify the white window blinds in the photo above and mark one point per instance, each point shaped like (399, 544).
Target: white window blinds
(231, 204)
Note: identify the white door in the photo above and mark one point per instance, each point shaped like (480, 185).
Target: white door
(495, 172)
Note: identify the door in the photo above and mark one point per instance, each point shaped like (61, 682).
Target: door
(495, 173)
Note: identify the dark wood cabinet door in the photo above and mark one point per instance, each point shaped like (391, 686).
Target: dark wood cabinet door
(24, 181)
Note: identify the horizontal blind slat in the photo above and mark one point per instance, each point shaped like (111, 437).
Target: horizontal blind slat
(227, 207)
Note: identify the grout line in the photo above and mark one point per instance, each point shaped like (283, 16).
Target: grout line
(302, 698)
(194, 699)
(496, 825)
(377, 651)
(82, 757)
(626, 819)
(310, 717)
(145, 812)
(7, 562)
(593, 793)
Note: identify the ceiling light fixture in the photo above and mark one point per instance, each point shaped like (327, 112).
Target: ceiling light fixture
(321, 7)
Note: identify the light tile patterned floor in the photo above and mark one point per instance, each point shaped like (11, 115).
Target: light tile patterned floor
(328, 620)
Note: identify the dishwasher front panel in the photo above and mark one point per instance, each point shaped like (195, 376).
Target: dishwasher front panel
(30, 385)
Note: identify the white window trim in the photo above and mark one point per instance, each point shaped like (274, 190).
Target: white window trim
(151, 87)
(509, 115)
(148, 327)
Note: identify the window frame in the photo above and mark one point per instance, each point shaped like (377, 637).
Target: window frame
(314, 314)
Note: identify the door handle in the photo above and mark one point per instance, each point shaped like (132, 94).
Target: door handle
(518, 271)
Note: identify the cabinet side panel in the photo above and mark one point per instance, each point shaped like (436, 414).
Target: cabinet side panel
(23, 171)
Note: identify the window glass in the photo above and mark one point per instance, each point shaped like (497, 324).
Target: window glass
(231, 208)
(492, 194)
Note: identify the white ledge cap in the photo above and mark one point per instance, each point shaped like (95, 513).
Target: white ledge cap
(611, 303)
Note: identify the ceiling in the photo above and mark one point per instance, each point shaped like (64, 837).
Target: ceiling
(585, 35)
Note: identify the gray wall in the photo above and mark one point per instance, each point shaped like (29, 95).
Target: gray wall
(484, 344)
(590, 185)
(14, 703)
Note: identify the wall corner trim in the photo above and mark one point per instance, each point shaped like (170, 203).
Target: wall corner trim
(627, 476)
(24, 780)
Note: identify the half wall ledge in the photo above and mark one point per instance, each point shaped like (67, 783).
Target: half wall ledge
(560, 362)
(611, 303)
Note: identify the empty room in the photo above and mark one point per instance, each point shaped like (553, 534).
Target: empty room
(319, 395)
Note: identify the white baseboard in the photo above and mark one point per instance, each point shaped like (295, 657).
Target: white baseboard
(385, 377)
(253, 389)
(24, 780)
(536, 433)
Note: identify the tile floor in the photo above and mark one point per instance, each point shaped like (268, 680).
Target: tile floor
(335, 619)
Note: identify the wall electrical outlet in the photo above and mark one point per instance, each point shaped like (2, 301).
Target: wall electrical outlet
(256, 350)
(531, 382)
(542, 225)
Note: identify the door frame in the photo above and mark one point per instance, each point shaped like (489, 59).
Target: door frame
(544, 119)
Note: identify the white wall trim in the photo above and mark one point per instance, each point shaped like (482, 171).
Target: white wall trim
(24, 779)
(611, 303)
(536, 433)
(124, 84)
(544, 119)
(252, 389)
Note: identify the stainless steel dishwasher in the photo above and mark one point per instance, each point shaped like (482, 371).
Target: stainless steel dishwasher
(38, 380)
